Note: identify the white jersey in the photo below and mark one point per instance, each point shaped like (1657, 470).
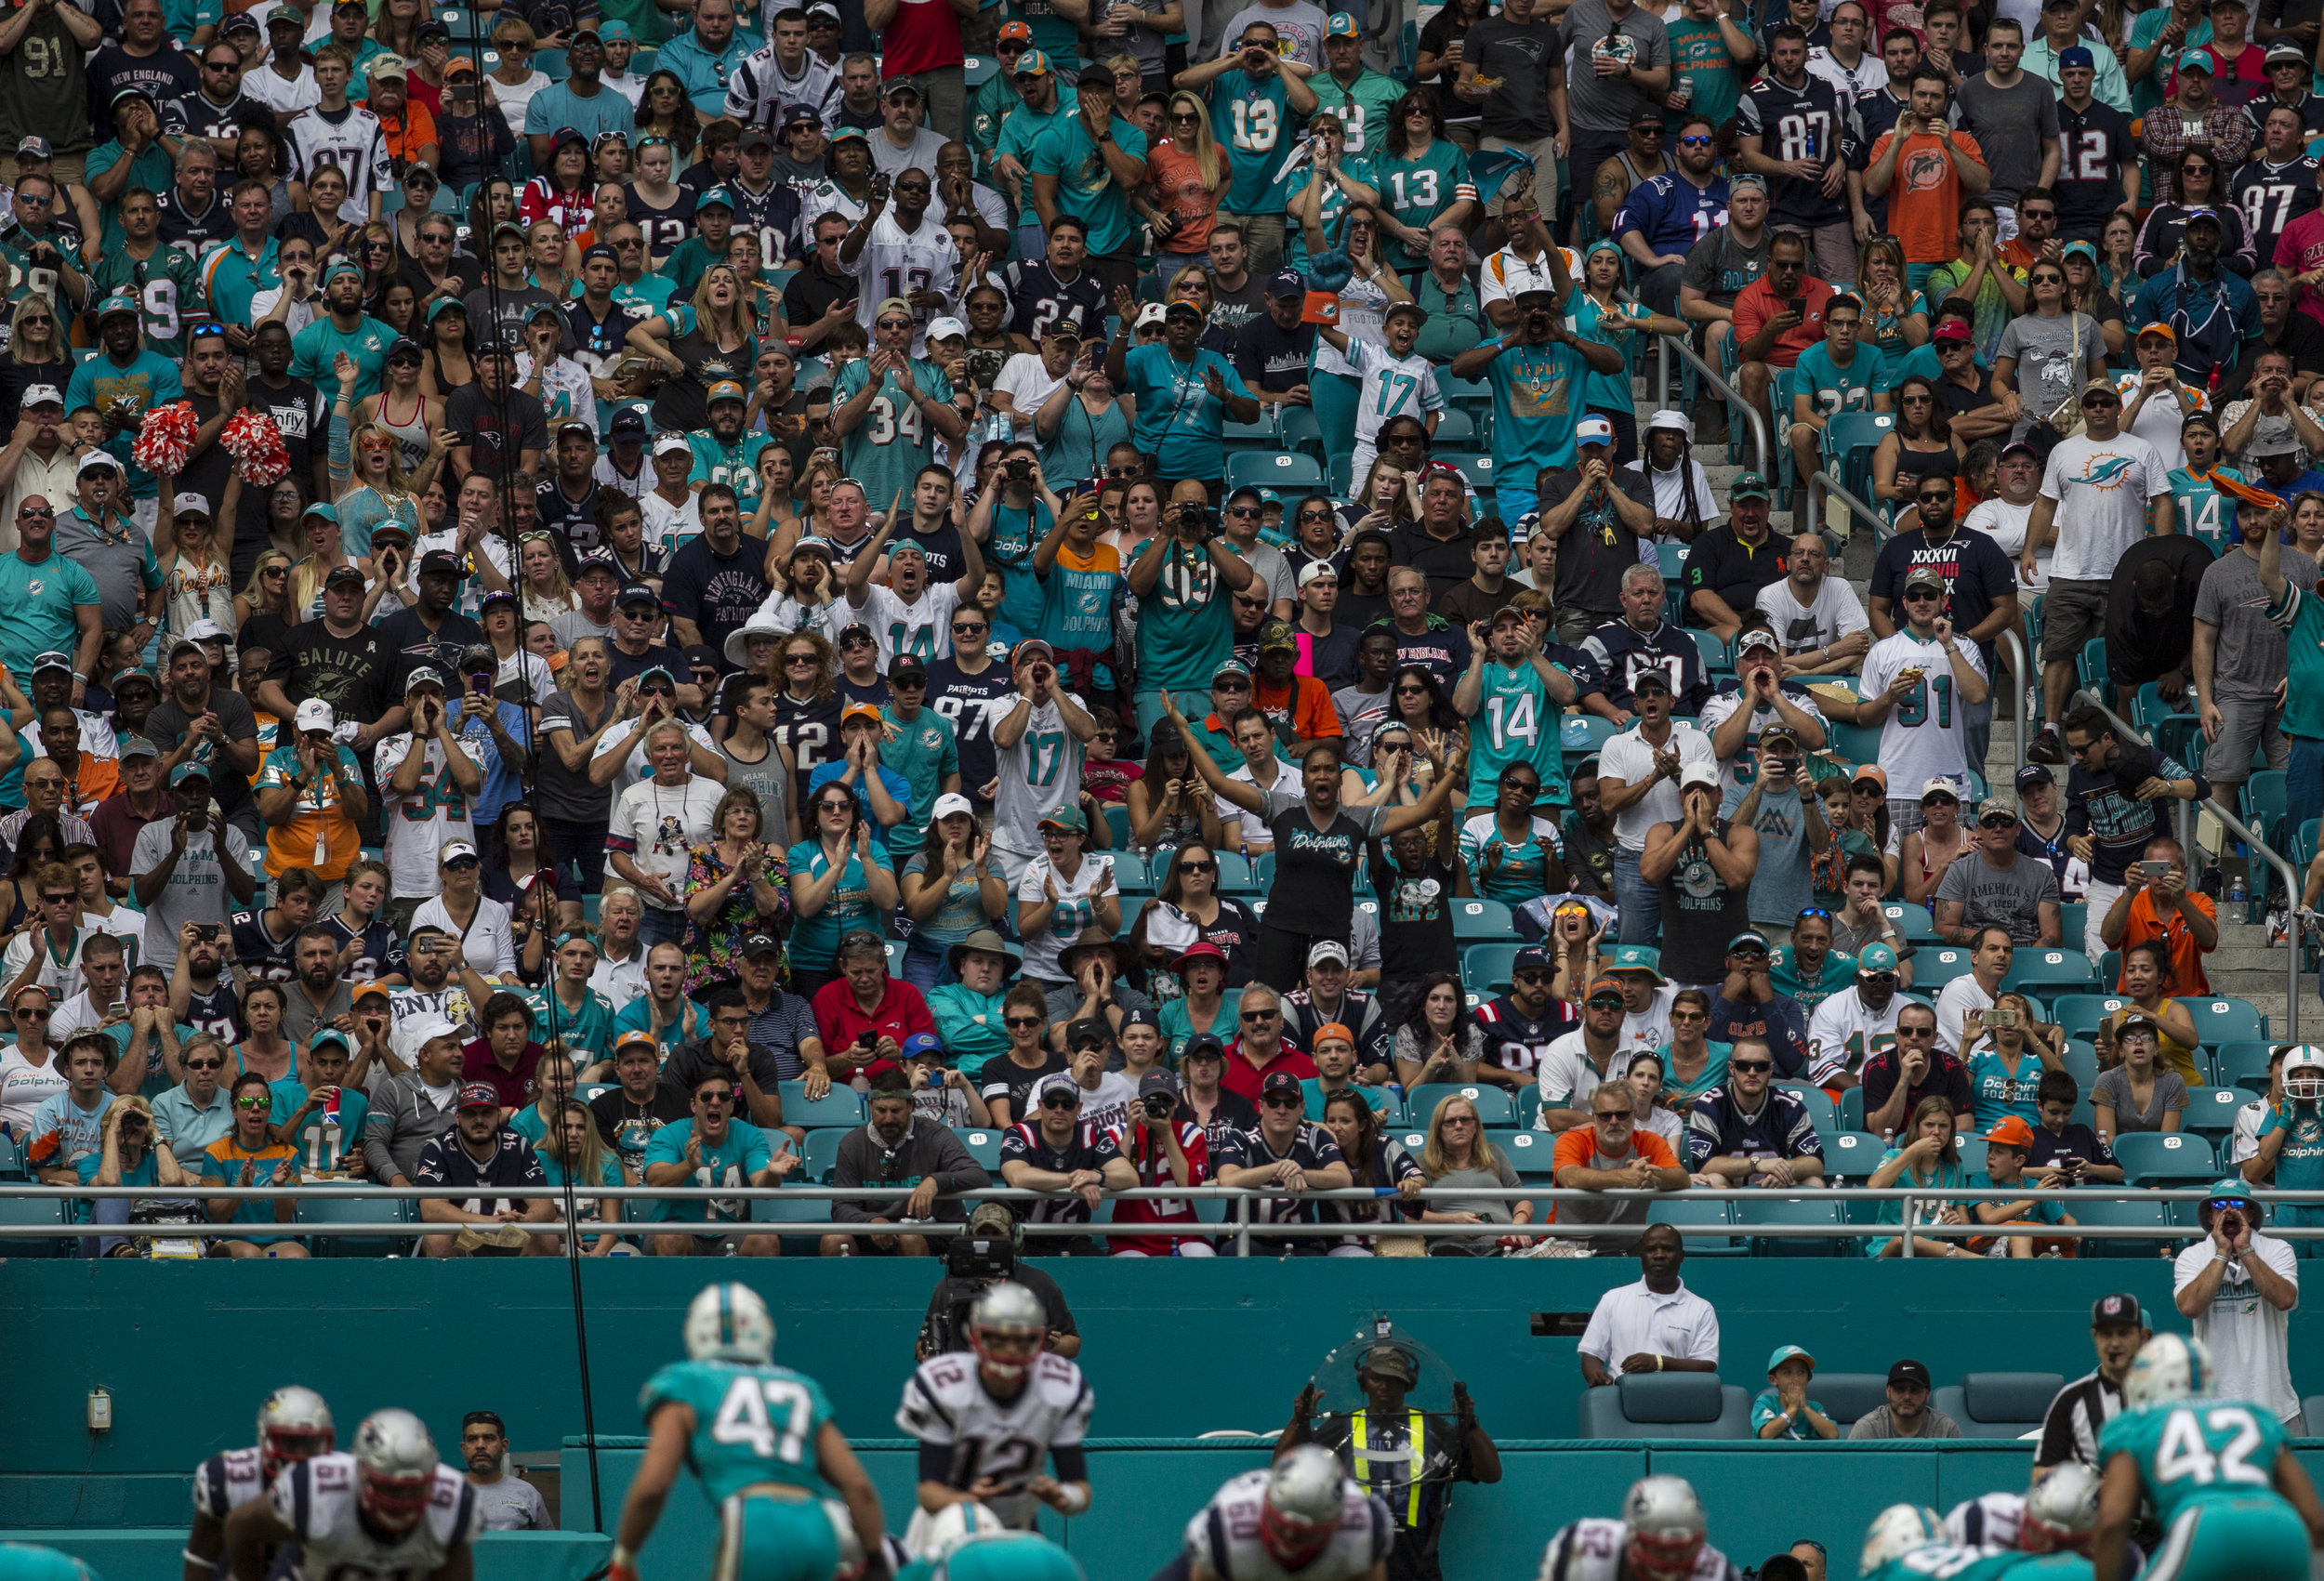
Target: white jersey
(824, 197)
(1076, 908)
(1736, 773)
(897, 262)
(2006, 525)
(1039, 774)
(317, 1500)
(1646, 1031)
(1591, 1550)
(225, 1483)
(945, 1404)
(1989, 1520)
(1841, 1034)
(1925, 736)
(418, 825)
(1390, 387)
(758, 93)
(1568, 1076)
(922, 630)
(357, 145)
(1222, 1538)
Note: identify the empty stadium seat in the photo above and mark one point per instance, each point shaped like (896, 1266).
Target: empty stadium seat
(1931, 969)
(1274, 469)
(1479, 921)
(1913, 922)
(983, 1145)
(2080, 1014)
(2151, 1157)
(2242, 1064)
(1852, 1155)
(2221, 1021)
(840, 1106)
(1527, 1151)
(1683, 1405)
(1753, 1212)
(822, 1155)
(1690, 1212)
(1483, 966)
(333, 1210)
(1845, 1397)
(2046, 969)
(2125, 1214)
(2211, 1110)
(1492, 1104)
(1822, 1112)
(1999, 1404)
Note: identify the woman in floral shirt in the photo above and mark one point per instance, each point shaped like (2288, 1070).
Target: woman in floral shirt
(735, 887)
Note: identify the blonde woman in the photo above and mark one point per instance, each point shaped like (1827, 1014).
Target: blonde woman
(1458, 1155)
(368, 480)
(541, 580)
(572, 1151)
(404, 410)
(319, 532)
(1930, 1158)
(696, 342)
(1187, 173)
(267, 592)
(197, 583)
(1894, 323)
(36, 355)
(514, 81)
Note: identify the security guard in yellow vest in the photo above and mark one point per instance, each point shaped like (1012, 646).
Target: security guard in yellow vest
(1408, 1457)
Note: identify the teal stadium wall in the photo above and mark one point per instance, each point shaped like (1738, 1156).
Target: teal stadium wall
(1173, 1349)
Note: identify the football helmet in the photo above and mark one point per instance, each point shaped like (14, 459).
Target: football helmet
(395, 1467)
(729, 1323)
(955, 1524)
(2304, 1074)
(1303, 1506)
(293, 1424)
(2168, 1367)
(1663, 1527)
(2061, 1511)
(1897, 1530)
(1007, 1326)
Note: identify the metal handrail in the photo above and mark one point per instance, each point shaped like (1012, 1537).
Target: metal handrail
(2021, 662)
(1711, 376)
(1823, 483)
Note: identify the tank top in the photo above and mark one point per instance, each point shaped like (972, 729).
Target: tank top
(1916, 465)
(1700, 912)
(411, 437)
(443, 381)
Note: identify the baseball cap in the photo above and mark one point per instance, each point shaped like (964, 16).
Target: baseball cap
(315, 713)
(948, 804)
(1775, 732)
(1951, 329)
(2034, 774)
(1032, 647)
(1150, 315)
(365, 990)
(344, 576)
(715, 198)
(1275, 636)
(1750, 486)
(1202, 1045)
(1056, 1082)
(1638, 957)
(423, 675)
(724, 389)
(757, 138)
(2075, 55)
(922, 1043)
(121, 302)
(2200, 212)
(1602, 985)
(193, 769)
(1698, 772)
(1875, 960)
(1593, 430)
(2013, 1132)
(1529, 956)
(854, 711)
(1315, 570)
(1156, 1081)
(1287, 283)
(1327, 950)
(1758, 637)
(1650, 680)
(479, 1095)
(1925, 576)
(1280, 1081)
(43, 395)
(2123, 1309)
(2197, 60)
(1089, 1030)
(761, 944)
(1786, 1352)
(2156, 327)
(947, 329)
(1065, 820)
(1750, 938)
(671, 443)
(454, 850)
(1937, 784)
(1015, 32)
(136, 747)
(1911, 1372)
(1032, 63)
(628, 420)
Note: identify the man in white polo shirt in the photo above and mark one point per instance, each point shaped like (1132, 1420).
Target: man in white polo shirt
(1655, 1325)
(43, 464)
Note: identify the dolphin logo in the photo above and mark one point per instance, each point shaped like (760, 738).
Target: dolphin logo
(2105, 472)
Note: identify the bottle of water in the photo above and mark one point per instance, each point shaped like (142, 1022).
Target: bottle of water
(2239, 898)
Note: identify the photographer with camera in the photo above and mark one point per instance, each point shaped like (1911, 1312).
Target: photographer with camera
(2239, 1288)
(976, 1261)
(1186, 630)
(1790, 828)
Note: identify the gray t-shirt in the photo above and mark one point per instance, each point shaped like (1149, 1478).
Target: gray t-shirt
(1878, 1424)
(2045, 348)
(1780, 888)
(1519, 57)
(566, 793)
(1270, 566)
(301, 1019)
(516, 310)
(196, 889)
(510, 1505)
(569, 628)
(2113, 1089)
(769, 782)
(1494, 1210)
(1300, 21)
(2013, 126)
(1606, 104)
(2251, 658)
(2001, 897)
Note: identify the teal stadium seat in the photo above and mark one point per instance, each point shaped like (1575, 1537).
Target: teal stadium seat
(1690, 1213)
(2044, 968)
(2080, 1014)
(355, 1210)
(2221, 1021)
(1274, 469)
(2146, 1156)
(983, 1145)
(2242, 1064)
(1931, 969)
(1492, 1103)
(822, 1155)
(839, 1107)
(1771, 1209)
(2121, 1213)
(1477, 920)
(2211, 1110)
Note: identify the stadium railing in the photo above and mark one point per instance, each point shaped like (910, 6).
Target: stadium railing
(1710, 376)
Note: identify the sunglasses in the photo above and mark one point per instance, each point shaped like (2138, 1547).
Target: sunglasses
(199, 1064)
(970, 628)
(895, 323)
(1690, 1016)
(1258, 1016)
(1608, 1117)
(1752, 1065)
(38, 513)
(1059, 1100)
(1231, 684)
(1288, 1100)
(1696, 142)
(1021, 1022)
(2095, 400)
(1922, 595)
(34, 1013)
(726, 1096)
(1602, 1002)
(254, 1102)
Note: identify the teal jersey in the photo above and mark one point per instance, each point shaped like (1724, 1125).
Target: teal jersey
(1516, 722)
(1178, 1026)
(1499, 868)
(2039, 1213)
(990, 108)
(1419, 189)
(1713, 1072)
(169, 289)
(2188, 1450)
(230, 279)
(1944, 1562)
(146, 381)
(2203, 511)
(693, 1023)
(925, 751)
(317, 1148)
(314, 353)
(1086, 187)
(2299, 1166)
(1700, 59)
(1331, 205)
(815, 940)
(753, 1423)
(1363, 107)
(1607, 392)
(734, 465)
(1009, 550)
(2145, 31)
(1186, 624)
(1255, 120)
(1007, 1556)
(1023, 132)
(1944, 1176)
(650, 292)
(1078, 603)
(1180, 422)
(586, 1032)
(1838, 973)
(26, 1562)
(1536, 405)
(732, 1162)
(1766, 1407)
(1830, 388)
(1997, 1094)
(25, 276)
(43, 594)
(1053, 36)
(886, 451)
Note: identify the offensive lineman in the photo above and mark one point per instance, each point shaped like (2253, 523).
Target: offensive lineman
(390, 1511)
(758, 1437)
(967, 1542)
(293, 1425)
(2233, 1501)
(1303, 1517)
(1660, 1537)
(984, 1427)
(1906, 1542)
(2060, 1513)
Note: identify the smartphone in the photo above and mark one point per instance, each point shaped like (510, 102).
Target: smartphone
(1797, 304)
(2153, 869)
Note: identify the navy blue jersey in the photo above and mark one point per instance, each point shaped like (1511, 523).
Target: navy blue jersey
(1620, 651)
(2272, 196)
(264, 958)
(1806, 122)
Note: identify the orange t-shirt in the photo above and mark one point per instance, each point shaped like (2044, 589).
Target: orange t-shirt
(1757, 303)
(1306, 701)
(1579, 1146)
(1177, 182)
(410, 132)
(2188, 978)
(98, 778)
(1924, 200)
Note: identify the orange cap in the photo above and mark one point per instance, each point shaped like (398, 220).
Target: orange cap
(363, 988)
(2013, 1132)
(1331, 1029)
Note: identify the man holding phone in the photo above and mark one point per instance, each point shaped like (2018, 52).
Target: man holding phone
(1790, 828)
(2155, 903)
(1777, 317)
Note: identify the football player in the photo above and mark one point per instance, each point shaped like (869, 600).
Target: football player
(293, 1425)
(986, 1426)
(2060, 1513)
(1905, 1542)
(1660, 1537)
(29, 1561)
(390, 1511)
(761, 1442)
(967, 1542)
(1301, 1517)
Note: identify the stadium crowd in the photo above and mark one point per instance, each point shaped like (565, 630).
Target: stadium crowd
(632, 594)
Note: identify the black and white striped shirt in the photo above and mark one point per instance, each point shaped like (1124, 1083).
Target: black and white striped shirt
(2076, 1417)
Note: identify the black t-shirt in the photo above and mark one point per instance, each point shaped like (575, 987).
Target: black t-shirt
(1416, 926)
(1434, 37)
(1236, 933)
(1315, 886)
(628, 1127)
(1271, 356)
(304, 416)
(417, 645)
(2077, 1141)
(716, 592)
(2301, 335)
(1447, 563)
(1700, 912)
(1959, 400)
(1723, 563)
(361, 676)
(811, 292)
(2141, 648)
(960, 698)
(205, 474)
(466, 275)
(167, 724)
(1001, 1076)
(1978, 575)
(168, 73)
(1519, 56)
(494, 442)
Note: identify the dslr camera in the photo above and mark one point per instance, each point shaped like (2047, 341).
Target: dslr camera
(1193, 523)
(1017, 469)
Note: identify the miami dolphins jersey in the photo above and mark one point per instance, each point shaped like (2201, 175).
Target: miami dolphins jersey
(225, 1483)
(1945, 1562)
(2300, 1167)
(2188, 1450)
(1007, 1556)
(28, 1561)
(753, 1423)
(2204, 512)
(1591, 1549)
(1516, 722)
(317, 1499)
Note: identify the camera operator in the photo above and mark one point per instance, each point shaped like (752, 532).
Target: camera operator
(982, 1257)
(2239, 1288)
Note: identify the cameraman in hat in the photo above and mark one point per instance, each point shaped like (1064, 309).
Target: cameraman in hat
(980, 1258)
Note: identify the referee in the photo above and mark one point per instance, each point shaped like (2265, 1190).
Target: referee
(2083, 1408)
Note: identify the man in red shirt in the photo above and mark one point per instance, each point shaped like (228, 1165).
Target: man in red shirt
(1261, 1050)
(1776, 317)
(506, 1057)
(2300, 253)
(864, 1015)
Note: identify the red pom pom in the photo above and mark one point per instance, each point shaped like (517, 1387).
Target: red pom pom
(256, 443)
(166, 439)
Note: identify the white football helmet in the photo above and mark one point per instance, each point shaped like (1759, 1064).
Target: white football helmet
(1898, 1530)
(1303, 1506)
(729, 1323)
(2304, 1074)
(395, 1466)
(2061, 1511)
(293, 1424)
(1664, 1524)
(851, 1558)
(955, 1524)
(1007, 1326)
(2168, 1367)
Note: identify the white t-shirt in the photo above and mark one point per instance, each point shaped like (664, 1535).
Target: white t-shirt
(2245, 1141)
(1718, 711)
(1924, 737)
(24, 1087)
(2250, 1357)
(1040, 773)
(491, 947)
(1630, 758)
(923, 627)
(2163, 420)
(640, 768)
(1954, 1001)
(1567, 1078)
(419, 824)
(1841, 1034)
(196, 889)
(1076, 901)
(2102, 487)
(1671, 491)
(1648, 1030)
(1025, 379)
(295, 317)
(2005, 524)
(1107, 1105)
(662, 825)
(1803, 628)
(283, 96)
